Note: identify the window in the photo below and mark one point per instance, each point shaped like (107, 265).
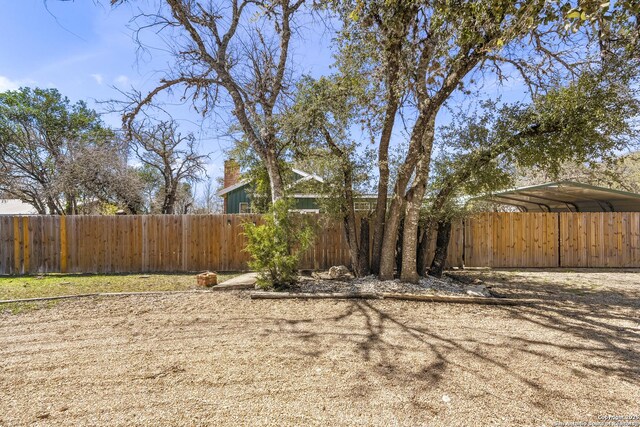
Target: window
(244, 208)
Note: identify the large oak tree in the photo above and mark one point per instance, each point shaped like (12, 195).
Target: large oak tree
(446, 47)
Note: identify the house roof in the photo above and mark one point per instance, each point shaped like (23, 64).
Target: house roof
(567, 196)
(305, 177)
(232, 187)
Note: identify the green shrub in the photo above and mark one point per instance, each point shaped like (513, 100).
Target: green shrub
(276, 246)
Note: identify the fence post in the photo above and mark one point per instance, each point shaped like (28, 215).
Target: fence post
(25, 244)
(63, 244)
(17, 264)
(559, 239)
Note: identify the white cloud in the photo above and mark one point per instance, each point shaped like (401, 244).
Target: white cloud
(8, 84)
(98, 78)
(122, 80)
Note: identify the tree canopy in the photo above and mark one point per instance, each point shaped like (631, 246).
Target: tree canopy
(59, 157)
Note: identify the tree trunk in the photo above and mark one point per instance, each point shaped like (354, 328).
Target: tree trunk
(168, 204)
(383, 157)
(358, 248)
(352, 243)
(415, 197)
(275, 177)
(363, 249)
(359, 262)
(53, 209)
(390, 237)
(424, 234)
(442, 247)
(398, 251)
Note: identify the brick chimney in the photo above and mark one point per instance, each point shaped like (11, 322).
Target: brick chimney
(231, 173)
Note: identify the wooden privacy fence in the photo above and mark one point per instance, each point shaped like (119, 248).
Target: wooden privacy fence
(181, 243)
(147, 243)
(153, 243)
(607, 239)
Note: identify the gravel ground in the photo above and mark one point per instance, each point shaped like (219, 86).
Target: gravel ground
(223, 359)
(428, 285)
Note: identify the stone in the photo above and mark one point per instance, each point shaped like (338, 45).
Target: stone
(478, 291)
(339, 272)
(321, 275)
(207, 279)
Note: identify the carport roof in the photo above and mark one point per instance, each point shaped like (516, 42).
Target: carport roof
(567, 196)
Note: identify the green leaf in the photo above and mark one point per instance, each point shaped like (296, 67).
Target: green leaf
(573, 14)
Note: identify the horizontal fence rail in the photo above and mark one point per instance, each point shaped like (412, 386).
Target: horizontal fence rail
(186, 243)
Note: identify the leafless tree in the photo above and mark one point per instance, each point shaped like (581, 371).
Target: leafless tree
(209, 202)
(234, 52)
(173, 156)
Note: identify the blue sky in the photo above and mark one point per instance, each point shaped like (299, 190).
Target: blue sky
(84, 48)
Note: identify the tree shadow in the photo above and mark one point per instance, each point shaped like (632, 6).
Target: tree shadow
(551, 334)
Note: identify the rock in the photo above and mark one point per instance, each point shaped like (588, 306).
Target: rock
(339, 272)
(478, 291)
(207, 279)
(321, 275)
(445, 398)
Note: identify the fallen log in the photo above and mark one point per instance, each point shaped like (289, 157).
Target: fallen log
(11, 301)
(458, 300)
(390, 295)
(306, 295)
(104, 294)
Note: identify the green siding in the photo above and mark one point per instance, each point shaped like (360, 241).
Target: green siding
(306, 203)
(235, 197)
(240, 195)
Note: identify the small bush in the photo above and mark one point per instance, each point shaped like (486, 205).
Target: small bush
(276, 246)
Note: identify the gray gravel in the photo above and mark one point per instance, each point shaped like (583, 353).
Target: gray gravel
(371, 284)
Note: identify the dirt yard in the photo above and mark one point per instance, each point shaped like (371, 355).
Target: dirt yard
(223, 359)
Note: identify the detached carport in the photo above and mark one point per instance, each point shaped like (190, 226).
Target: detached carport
(567, 196)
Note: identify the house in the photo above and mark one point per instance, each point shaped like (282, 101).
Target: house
(16, 207)
(237, 191)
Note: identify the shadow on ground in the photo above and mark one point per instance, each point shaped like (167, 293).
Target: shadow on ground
(580, 330)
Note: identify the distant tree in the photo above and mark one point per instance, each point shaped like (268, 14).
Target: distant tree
(209, 202)
(619, 172)
(170, 161)
(59, 157)
(185, 199)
